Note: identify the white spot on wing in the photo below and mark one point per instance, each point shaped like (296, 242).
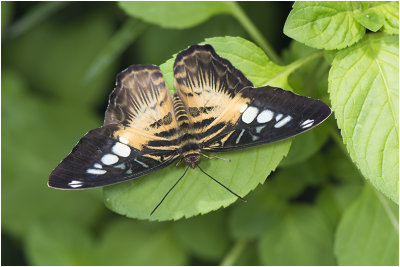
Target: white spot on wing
(240, 136)
(109, 159)
(243, 108)
(283, 121)
(265, 116)
(96, 171)
(121, 149)
(75, 184)
(97, 165)
(123, 140)
(279, 116)
(249, 115)
(307, 123)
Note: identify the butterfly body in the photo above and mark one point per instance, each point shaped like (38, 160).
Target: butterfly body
(215, 109)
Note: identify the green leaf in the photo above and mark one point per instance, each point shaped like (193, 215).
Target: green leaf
(341, 168)
(368, 233)
(262, 210)
(305, 145)
(128, 242)
(327, 25)
(31, 157)
(370, 19)
(391, 12)
(59, 242)
(121, 242)
(364, 86)
(196, 193)
(334, 199)
(176, 15)
(303, 237)
(267, 205)
(208, 245)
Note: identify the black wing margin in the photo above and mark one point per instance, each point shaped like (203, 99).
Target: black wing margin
(269, 114)
(99, 160)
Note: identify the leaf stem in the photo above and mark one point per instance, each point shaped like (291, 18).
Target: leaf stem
(115, 46)
(295, 65)
(234, 253)
(33, 17)
(252, 30)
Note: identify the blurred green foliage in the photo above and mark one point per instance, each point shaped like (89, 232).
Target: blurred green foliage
(58, 67)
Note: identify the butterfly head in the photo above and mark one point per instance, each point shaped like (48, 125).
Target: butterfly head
(192, 160)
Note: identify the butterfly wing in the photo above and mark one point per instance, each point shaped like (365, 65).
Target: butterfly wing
(139, 135)
(228, 113)
(268, 114)
(206, 83)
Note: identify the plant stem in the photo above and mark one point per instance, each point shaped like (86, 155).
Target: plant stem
(234, 253)
(239, 14)
(294, 65)
(33, 17)
(115, 46)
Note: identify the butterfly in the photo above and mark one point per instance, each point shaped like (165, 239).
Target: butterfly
(215, 109)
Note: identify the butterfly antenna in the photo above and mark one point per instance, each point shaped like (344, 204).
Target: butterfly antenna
(169, 191)
(242, 199)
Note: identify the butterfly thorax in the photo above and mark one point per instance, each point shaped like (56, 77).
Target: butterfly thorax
(188, 142)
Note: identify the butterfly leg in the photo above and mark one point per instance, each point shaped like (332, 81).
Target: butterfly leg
(215, 157)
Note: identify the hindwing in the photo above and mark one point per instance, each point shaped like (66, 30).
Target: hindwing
(206, 83)
(265, 115)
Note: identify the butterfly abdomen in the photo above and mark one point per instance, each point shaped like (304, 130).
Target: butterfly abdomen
(190, 149)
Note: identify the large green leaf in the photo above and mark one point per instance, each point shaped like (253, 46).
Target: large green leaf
(336, 25)
(178, 15)
(368, 233)
(196, 193)
(364, 88)
(303, 237)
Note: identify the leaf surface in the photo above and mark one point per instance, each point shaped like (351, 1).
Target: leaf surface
(368, 233)
(31, 157)
(303, 237)
(175, 15)
(327, 25)
(364, 89)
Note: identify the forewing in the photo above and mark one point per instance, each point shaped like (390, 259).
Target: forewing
(263, 115)
(206, 83)
(140, 135)
(99, 160)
